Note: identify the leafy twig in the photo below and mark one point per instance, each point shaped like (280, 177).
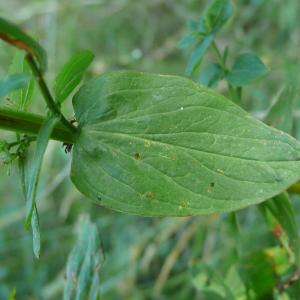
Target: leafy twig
(46, 93)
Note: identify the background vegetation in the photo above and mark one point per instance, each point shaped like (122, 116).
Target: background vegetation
(148, 258)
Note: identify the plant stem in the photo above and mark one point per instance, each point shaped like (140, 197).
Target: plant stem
(46, 93)
(30, 123)
(232, 92)
(220, 57)
(19, 141)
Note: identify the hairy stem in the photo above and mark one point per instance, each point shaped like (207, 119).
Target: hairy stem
(46, 93)
(30, 123)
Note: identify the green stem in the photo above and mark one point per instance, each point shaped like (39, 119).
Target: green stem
(47, 95)
(232, 92)
(30, 123)
(220, 57)
(19, 141)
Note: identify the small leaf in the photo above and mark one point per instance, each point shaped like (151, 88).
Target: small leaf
(188, 40)
(247, 68)
(207, 280)
(82, 271)
(192, 25)
(216, 16)
(35, 226)
(210, 75)
(21, 98)
(198, 53)
(234, 281)
(12, 83)
(13, 35)
(71, 74)
(280, 115)
(166, 146)
(41, 145)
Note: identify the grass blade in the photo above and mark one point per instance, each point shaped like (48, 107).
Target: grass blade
(42, 142)
(82, 271)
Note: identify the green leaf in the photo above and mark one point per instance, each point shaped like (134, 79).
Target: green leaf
(12, 294)
(210, 75)
(35, 225)
(234, 281)
(21, 98)
(198, 53)
(82, 272)
(12, 83)
(188, 40)
(13, 35)
(207, 280)
(71, 74)
(41, 145)
(159, 145)
(247, 68)
(216, 16)
(256, 270)
(281, 112)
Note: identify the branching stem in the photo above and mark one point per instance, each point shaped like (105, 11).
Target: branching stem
(46, 93)
(234, 94)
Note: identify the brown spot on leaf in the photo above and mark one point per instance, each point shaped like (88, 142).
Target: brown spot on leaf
(17, 43)
(149, 195)
(277, 230)
(210, 187)
(137, 156)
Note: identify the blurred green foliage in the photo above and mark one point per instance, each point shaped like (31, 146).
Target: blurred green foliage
(149, 258)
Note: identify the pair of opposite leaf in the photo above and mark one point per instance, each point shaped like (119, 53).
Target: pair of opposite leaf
(159, 145)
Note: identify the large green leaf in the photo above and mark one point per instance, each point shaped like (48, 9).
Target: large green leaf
(163, 145)
(13, 35)
(71, 74)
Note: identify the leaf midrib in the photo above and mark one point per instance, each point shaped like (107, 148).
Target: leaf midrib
(190, 149)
